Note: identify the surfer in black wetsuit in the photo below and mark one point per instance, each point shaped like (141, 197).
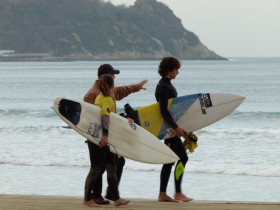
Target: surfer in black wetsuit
(169, 69)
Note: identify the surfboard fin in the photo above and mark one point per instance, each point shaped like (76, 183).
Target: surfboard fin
(130, 113)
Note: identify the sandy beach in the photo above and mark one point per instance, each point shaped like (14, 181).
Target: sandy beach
(66, 202)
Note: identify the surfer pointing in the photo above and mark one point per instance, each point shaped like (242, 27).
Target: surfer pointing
(117, 93)
(107, 105)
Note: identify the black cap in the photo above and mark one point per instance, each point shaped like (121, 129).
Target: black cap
(107, 69)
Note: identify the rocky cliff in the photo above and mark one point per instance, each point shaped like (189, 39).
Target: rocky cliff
(95, 30)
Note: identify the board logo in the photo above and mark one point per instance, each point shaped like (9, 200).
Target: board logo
(205, 101)
(93, 130)
(170, 131)
(133, 126)
(146, 124)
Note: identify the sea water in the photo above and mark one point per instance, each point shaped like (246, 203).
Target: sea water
(237, 158)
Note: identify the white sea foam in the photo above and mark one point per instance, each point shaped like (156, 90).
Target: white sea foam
(234, 151)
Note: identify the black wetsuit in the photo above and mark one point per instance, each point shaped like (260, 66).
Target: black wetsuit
(164, 91)
(120, 162)
(101, 158)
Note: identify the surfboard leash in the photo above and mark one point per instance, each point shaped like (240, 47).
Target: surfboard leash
(190, 142)
(107, 147)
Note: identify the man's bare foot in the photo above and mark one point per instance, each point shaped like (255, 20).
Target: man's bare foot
(182, 197)
(91, 203)
(163, 197)
(121, 202)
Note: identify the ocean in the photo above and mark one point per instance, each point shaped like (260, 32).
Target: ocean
(237, 158)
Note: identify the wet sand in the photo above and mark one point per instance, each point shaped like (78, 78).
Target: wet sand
(75, 203)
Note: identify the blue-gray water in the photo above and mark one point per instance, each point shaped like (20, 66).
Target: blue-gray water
(237, 157)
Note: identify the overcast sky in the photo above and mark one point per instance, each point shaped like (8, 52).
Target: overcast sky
(231, 28)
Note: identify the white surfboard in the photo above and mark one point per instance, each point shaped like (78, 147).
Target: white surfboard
(191, 112)
(128, 140)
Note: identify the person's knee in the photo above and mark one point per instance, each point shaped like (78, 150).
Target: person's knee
(184, 159)
(121, 162)
(102, 169)
(100, 166)
(95, 171)
(111, 170)
(166, 168)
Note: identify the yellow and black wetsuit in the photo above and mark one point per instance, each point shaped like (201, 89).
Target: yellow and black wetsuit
(102, 156)
(164, 91)
(107, 106)
(118, 94)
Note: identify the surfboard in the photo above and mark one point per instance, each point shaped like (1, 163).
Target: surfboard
(191, 112)
(128, 140)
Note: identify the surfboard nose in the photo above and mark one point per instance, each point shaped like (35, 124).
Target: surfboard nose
(226, 98)
(242, 98)
(238, 99)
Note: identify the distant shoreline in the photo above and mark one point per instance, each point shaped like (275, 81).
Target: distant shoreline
(29, 57)
(65, 59)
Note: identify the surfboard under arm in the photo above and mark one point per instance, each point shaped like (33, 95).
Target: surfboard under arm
(191, 112)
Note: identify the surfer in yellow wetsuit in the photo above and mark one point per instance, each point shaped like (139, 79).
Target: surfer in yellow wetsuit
(169, 69)
(106, 102)
(118, 93)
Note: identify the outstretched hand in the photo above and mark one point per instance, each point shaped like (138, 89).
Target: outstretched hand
(142, 83)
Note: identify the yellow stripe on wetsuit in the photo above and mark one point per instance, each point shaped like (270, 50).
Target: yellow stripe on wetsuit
(179, 170)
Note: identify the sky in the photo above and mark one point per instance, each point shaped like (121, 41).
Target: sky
(231, 28)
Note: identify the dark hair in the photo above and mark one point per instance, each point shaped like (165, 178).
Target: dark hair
(105, 83)
(168, 64)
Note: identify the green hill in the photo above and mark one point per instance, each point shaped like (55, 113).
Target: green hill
(95, 30)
